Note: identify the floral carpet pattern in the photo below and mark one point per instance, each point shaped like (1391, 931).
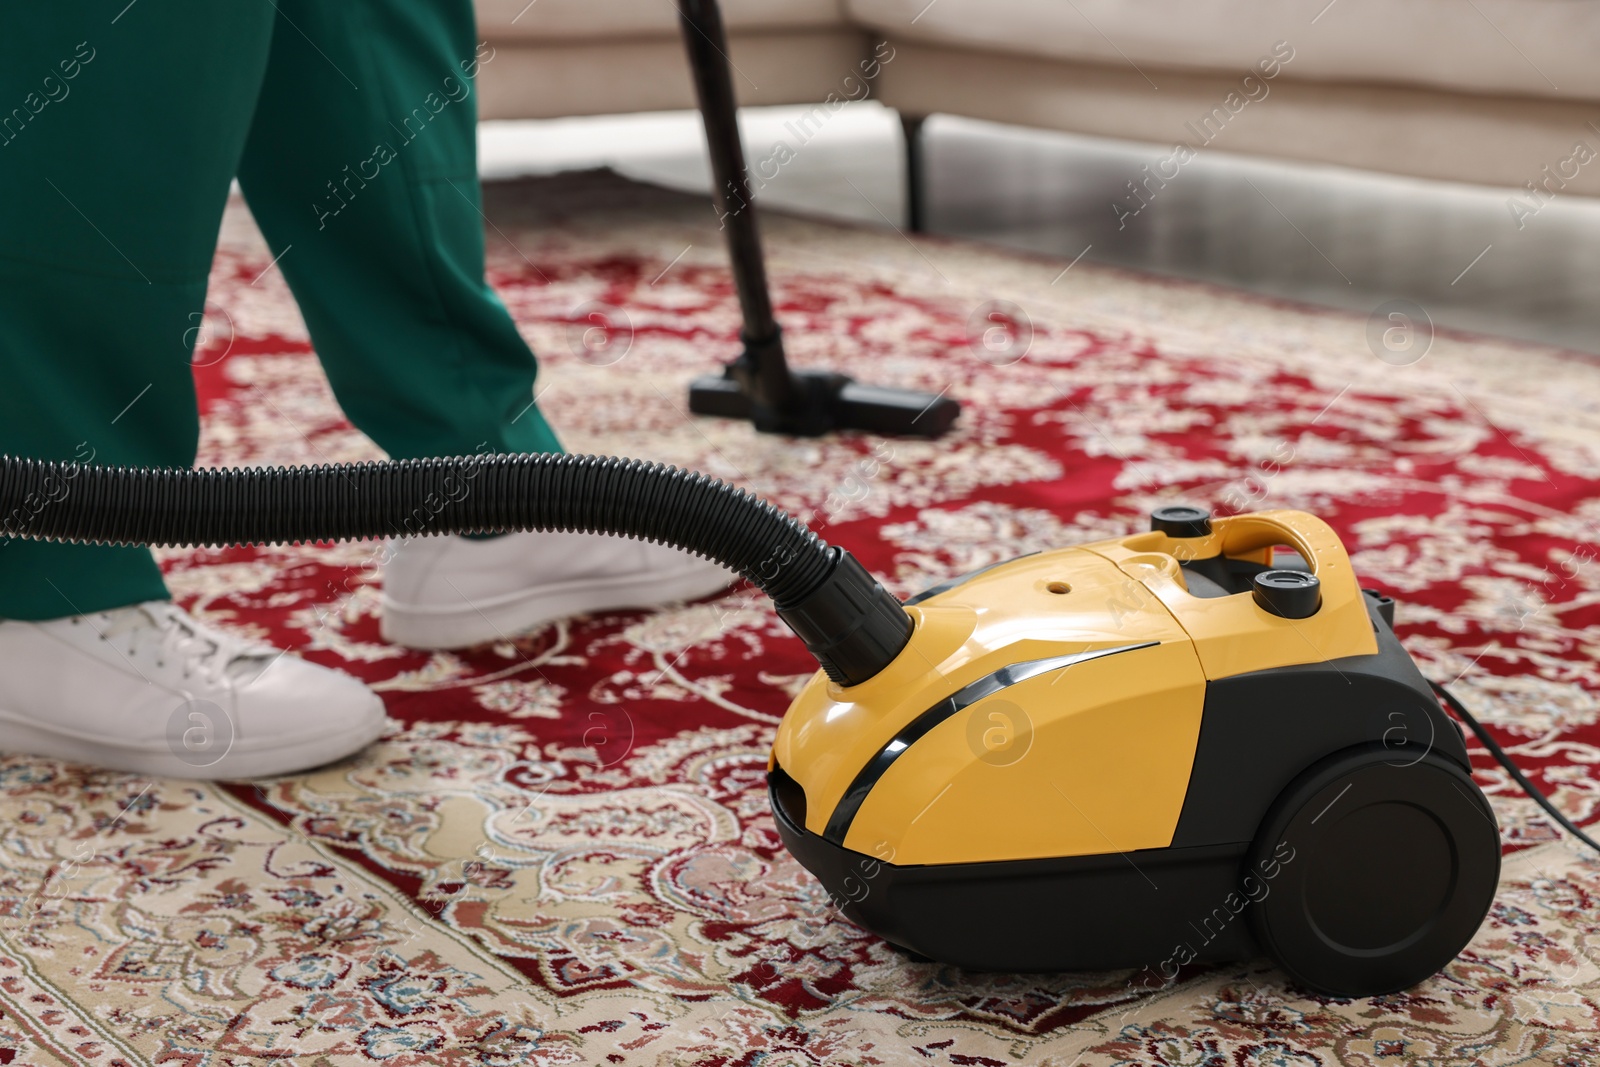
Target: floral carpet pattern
(561, 852)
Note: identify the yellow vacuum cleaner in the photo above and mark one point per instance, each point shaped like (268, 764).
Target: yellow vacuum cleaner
(1187, 744)
(1180, 745)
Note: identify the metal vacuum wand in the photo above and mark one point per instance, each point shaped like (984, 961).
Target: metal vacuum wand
(759, 385)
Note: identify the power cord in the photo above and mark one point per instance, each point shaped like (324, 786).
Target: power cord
(1511, 768)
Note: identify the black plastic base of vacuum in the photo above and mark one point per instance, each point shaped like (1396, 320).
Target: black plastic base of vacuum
(828, 402)
(1079, 913)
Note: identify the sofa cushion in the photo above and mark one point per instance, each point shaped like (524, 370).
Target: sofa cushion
(589, 19)
(553, 79)
(1522, 47)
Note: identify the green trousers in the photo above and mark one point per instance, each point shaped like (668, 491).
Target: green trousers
(351, 127)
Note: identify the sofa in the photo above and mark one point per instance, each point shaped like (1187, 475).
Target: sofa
(1498, 92)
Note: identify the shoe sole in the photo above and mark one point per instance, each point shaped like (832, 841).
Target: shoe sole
(21, 735)
(502, 618)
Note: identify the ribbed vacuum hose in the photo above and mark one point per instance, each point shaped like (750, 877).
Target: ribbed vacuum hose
(851, 623)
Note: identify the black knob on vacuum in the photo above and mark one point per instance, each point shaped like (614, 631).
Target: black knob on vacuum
(1288, 594)
(1181, 520)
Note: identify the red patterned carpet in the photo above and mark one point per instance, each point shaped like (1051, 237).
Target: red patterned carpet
(562, 853)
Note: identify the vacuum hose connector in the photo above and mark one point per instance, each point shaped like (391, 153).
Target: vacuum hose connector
(850, 623)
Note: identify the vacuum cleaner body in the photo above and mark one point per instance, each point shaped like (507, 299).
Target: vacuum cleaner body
(1194, 743)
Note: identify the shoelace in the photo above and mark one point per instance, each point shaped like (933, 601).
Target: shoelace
(199, 649)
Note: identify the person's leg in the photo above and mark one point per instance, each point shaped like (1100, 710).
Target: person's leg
(120, 128)
(361, 170)
(114, 173)
(362, 173)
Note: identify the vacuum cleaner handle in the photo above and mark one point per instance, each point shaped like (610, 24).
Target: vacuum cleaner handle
(1256, 533)
(850, 623)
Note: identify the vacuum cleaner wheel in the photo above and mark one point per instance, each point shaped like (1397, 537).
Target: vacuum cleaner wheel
(1384, 869)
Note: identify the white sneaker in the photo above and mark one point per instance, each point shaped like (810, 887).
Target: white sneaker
(452, 592)
(151, 690)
